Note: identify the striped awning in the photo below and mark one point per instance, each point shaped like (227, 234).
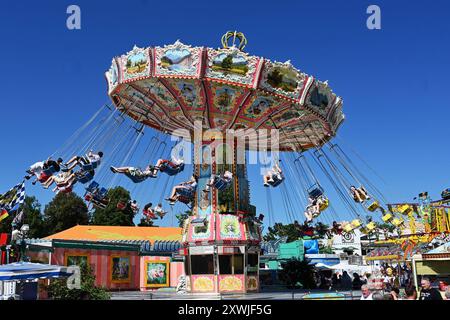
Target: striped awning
(31, 271)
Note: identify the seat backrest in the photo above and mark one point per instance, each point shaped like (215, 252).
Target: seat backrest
(315, 193)
(92, 186)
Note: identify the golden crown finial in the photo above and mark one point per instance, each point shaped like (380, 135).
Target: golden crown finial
(234, 35)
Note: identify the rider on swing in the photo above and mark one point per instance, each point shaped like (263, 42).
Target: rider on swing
(135, 172)
(359, 194)
(90, 158)
(225, 177)
(188, 185)
(275, 172)
(313, 208)
(174, 164)
(38, 168)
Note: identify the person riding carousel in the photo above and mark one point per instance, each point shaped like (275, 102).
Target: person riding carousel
(359, 194)
(171, 167)
(221, 181)
(185, 189)
(92, 159)
(64, 182)
(313, 208)
(274, 176)
(148, 211)
(336, 228)
(159, 211)
(43, 170)
(136, 174)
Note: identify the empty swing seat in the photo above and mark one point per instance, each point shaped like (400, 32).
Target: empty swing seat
(93, 187)
(85, 177)
(315, 193)
(373, 206)
(387, 217)
(371, 226)
(405, 209)
(220, 184)
(356, 223)
(397, 222)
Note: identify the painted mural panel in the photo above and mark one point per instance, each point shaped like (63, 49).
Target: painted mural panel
(229, 228)
(157, 273)
(178, 60)
(120, 269)
(252, 283)
(135, 64)
(231, 283)
(203, 283)
(320, 97)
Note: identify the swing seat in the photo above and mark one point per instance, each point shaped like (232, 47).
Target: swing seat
(324, 205)
(171, 171)
(184, 199)
(371, 226)
(136, 179)
(356, 223)
(220, 184)
(315, 192)
(85, 177)
(348, 228)
(49, 171)
(398, 222)
(373, 206)
(276, 181)
(149, 214)
(90, 166)
(187, 193)
(405, 209)
(387, 217)
(43, 177)
(92, 187)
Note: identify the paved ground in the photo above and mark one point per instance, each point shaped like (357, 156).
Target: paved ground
(171, 295)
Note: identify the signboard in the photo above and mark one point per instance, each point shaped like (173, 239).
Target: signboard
(346, 241)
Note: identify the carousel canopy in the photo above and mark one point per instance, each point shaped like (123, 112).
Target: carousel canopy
(31, 271)
(175, 86)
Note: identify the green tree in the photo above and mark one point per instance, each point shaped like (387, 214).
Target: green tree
(146, 223)
(227, 63)
(321, 229)
(111, 215)
(297, 273)
(182, 217)
(58, 290)
(63, 212)
(33, 217)
(281, 230)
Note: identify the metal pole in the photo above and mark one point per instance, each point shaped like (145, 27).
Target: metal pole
(414, 273)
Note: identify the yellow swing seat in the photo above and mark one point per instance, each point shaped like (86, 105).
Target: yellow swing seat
(398, 222)
(371, 226)
(387, 217)
(348, 228)
(356, 223)
(373, 206)
(324, 205)
(404, 209)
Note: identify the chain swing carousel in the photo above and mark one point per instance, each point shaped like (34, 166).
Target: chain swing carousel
(183, 89)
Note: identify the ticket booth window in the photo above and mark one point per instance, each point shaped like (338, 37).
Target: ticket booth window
(231, 264)
(202, 264)
(252, 263)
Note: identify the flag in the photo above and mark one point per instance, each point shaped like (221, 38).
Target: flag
(3, 214)
(11, 200)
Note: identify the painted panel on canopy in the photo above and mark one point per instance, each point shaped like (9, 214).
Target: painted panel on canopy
(282, 79)
(134, 95)
(228, 227)
(288, 116)
(259, 106)
(231, 65)
(220, 121)
(225, 98)
(158, 92)
(320, 98)
(135, 64)
(336, 116)
(200, 233)
(178, 60)
(190, 92)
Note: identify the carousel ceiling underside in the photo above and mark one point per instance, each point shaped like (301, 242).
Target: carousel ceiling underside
(172, 87)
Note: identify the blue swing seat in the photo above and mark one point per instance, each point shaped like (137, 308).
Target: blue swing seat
(220, 184)
(315, 192)
(49, 171)
(187, 193)
(171, 171)
(276, 181)
(92, 187)
(85, 177)
(136, 179)
(90, 166)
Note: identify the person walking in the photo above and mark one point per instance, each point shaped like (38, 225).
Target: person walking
(427, 292)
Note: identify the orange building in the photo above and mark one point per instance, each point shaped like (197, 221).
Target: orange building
(122, 258)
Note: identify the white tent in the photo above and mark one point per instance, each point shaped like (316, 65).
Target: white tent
(346, 267)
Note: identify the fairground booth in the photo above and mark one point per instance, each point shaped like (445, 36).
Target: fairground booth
(121, 258)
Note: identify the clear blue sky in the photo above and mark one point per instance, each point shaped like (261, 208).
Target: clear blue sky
(393, 81)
